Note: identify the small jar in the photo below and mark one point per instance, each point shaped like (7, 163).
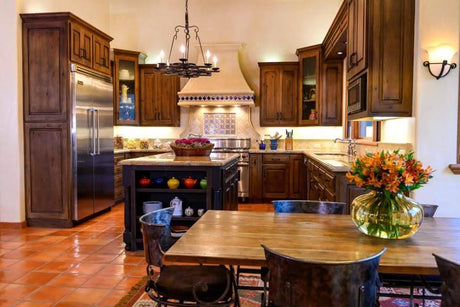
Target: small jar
(144, 144)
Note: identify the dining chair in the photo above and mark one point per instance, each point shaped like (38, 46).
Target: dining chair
(450, 275)
(289, 206)
(182, 285)
(297, 282)
(425, 282)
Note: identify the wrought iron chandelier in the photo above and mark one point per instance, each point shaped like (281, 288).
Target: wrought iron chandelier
(184, 68)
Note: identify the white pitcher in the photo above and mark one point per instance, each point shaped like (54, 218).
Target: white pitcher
(177, 204)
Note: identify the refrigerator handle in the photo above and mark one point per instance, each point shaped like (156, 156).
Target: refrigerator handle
(98, 152)
(93, 136)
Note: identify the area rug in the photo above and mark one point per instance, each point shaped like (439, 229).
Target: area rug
(138, 298)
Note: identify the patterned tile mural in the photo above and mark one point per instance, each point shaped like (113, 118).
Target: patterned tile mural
(219, 123)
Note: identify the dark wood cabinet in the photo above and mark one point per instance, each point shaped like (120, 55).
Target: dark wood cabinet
(276, 176)
(321, 182)
(47, 181)
(126, 86)
(278, 93)
(309, 85)
(101, 54)
(158, 101)
(331, 89)
(357, 37)
(51, 42)
(384, 29)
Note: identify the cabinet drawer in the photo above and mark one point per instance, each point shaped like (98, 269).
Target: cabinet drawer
(328, 180)
(276, 158)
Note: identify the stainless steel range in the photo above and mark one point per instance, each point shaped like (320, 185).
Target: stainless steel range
(240, 146)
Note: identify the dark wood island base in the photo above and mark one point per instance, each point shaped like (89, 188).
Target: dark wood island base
(220, 193)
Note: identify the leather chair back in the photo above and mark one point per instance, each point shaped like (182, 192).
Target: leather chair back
(450, 275)
(294, 282)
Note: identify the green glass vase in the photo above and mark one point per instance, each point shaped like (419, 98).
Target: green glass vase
(386, 215)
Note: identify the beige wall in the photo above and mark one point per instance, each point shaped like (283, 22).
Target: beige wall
(272, 30)
(11, 148)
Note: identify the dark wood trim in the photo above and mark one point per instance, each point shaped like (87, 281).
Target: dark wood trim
(18, 225)
(455, 168)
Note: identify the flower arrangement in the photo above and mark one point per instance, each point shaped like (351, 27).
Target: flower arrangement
(192, 147)
(389, 171)
(386, 212)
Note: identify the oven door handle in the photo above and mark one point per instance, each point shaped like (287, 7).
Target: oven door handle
(243, 163)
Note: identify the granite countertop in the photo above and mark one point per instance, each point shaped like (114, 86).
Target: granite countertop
(334, 161)
(153, 150)
(169, 159)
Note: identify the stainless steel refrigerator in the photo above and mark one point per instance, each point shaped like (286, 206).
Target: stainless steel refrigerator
(92, 142)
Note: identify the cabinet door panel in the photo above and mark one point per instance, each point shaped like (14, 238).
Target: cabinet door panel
(332, 87)
(149, 109)
(166, 97)
(101, 55)
(80, 45)
(45, 83)
(255, 177)
(275, 180)
(298, 175)
(289, 79)
(269, 95)
(357, 37)
(47, 183)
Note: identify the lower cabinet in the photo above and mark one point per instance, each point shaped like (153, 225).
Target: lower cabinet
(276, 176)
(326, 185)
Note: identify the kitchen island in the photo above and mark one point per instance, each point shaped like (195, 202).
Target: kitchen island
(220, 192)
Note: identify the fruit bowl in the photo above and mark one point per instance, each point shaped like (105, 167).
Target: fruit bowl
(192, 147)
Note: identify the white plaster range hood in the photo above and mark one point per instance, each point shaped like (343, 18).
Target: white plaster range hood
(225, 88)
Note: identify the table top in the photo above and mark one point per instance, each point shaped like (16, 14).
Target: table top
(234, 237)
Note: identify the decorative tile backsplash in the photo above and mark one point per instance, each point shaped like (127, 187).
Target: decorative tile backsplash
(219, 123)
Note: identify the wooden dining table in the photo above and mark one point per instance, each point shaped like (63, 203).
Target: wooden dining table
(235, 238)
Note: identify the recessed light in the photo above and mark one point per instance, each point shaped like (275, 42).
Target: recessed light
(339, 52)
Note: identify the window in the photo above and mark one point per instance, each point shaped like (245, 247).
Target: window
(364, 131)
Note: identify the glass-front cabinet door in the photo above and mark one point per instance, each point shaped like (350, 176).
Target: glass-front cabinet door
(309, 104)
(126, 86)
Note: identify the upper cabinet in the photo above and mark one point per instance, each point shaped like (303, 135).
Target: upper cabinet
(309, 84)
(126, 86)
(357, 37)
(278, 93)
(158, 98)
(380, 58)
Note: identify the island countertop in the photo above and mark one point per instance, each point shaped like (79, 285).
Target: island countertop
(169, 159)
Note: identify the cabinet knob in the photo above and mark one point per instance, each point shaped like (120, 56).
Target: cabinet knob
(353, 56)
(83, 50)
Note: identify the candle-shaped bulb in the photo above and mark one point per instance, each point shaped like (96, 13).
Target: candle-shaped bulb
(208, 54)
(214, 59)
(182, 51)
(162, 56)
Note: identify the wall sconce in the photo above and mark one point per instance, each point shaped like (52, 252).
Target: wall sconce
(439, 58)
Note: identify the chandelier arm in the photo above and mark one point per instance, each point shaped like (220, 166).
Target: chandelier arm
(176, 29)
(199, 42)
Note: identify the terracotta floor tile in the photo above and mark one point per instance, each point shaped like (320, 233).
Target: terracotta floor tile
(7, 303)
(34, 304)
(117, 269)
(86, 268)
(15, 291)
(56, 266)
(113, 298)
(86, 296)
(50, 294)
(138, 271)
(126, 259)
(69, 280)
(63, 233)
(96, 258)
(25, 265)
(102, 282)
(36, 278)
(50, 239)
(4, 263)
(97, 241)
(3, 284)
(87, 249)
(35, 246)
(18, 254)
(71, 304)
(72, 256)
(47, 255)
(127, 283)
(10, 276)
(10, 245)
(111, 251)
